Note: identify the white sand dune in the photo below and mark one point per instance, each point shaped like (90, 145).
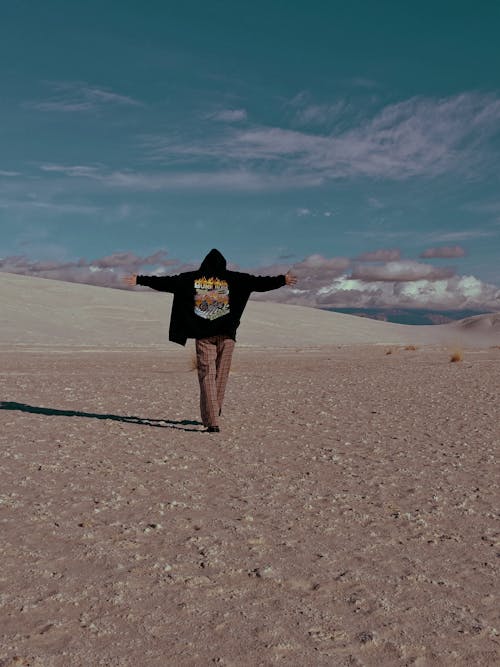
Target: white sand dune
(481, 325)
(37, 311)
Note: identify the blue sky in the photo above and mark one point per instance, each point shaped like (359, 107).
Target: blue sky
(355, 142)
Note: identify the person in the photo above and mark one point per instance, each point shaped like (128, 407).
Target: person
(208, 304)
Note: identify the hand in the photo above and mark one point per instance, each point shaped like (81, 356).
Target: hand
(130, 280)
(290, 279)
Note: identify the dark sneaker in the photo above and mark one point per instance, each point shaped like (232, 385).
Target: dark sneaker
(213, 429)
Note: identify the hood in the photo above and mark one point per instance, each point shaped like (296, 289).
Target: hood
(214, 264)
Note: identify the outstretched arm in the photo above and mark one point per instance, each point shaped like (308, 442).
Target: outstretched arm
(160, 283)
(267, 283)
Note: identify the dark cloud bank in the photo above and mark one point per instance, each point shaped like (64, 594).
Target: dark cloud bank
(378, 278)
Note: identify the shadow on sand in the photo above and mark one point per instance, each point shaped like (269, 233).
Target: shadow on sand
(161, 423)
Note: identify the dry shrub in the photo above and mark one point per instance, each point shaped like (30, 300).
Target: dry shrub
(456, 355)
(388, 351)
(411, 348)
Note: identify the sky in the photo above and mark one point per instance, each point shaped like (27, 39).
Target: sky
(357, 144)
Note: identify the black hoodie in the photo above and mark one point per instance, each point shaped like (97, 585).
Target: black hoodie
(211, 300)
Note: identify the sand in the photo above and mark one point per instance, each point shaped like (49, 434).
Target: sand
(40, 312)
(347, 513)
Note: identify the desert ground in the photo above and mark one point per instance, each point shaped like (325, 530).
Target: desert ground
(347, 513)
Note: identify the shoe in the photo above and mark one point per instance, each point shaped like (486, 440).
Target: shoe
(213, 429)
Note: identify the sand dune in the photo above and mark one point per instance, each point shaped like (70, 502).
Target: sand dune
(37, 311)
(488, 325)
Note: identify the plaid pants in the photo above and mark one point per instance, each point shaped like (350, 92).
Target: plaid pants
(213, 356)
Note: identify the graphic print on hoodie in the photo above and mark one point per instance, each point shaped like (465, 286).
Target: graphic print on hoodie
(211, 299)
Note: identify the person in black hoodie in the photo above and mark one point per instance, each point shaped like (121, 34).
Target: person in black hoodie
(207, 306)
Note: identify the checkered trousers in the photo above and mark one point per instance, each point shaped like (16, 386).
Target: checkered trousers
(213, 356)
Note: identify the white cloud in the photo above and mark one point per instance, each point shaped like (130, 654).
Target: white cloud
(416, 137)
(78, 96)
(306, 212)
(382, 255)
(313, 273)
(109, 97)
(456, 292)
(104, 271)
(49, 206)
(322, 281)
(321, 114)
(484, 207)
(407, 139)
(375, 203)
(222, 180)
(239, 179)
(463, 235)
(71, 170)
(400, 271)
(443, 252)
(230, 115)
(362, 82)
(63, 106)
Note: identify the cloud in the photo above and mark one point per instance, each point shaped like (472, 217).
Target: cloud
(49, 207)
(105, 271)
(362, 82)
(321, 114)
(383, 255)
(109, 97)
(325, 282)
(400, 271)
(407, 139)
(221, 180)
(457, 292)
(303, 212)
(230, 115)
(307, 112)
(484, 207)
(445, 252)
(313, 272)
(316, 269)
(65, 107)
(130, 261)
(322, 281)
(239, 179)
(36, 195)
(78, 96)
(419, 137)
(463, 235)
(375, 203)
(415, 137)
(69, 170)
